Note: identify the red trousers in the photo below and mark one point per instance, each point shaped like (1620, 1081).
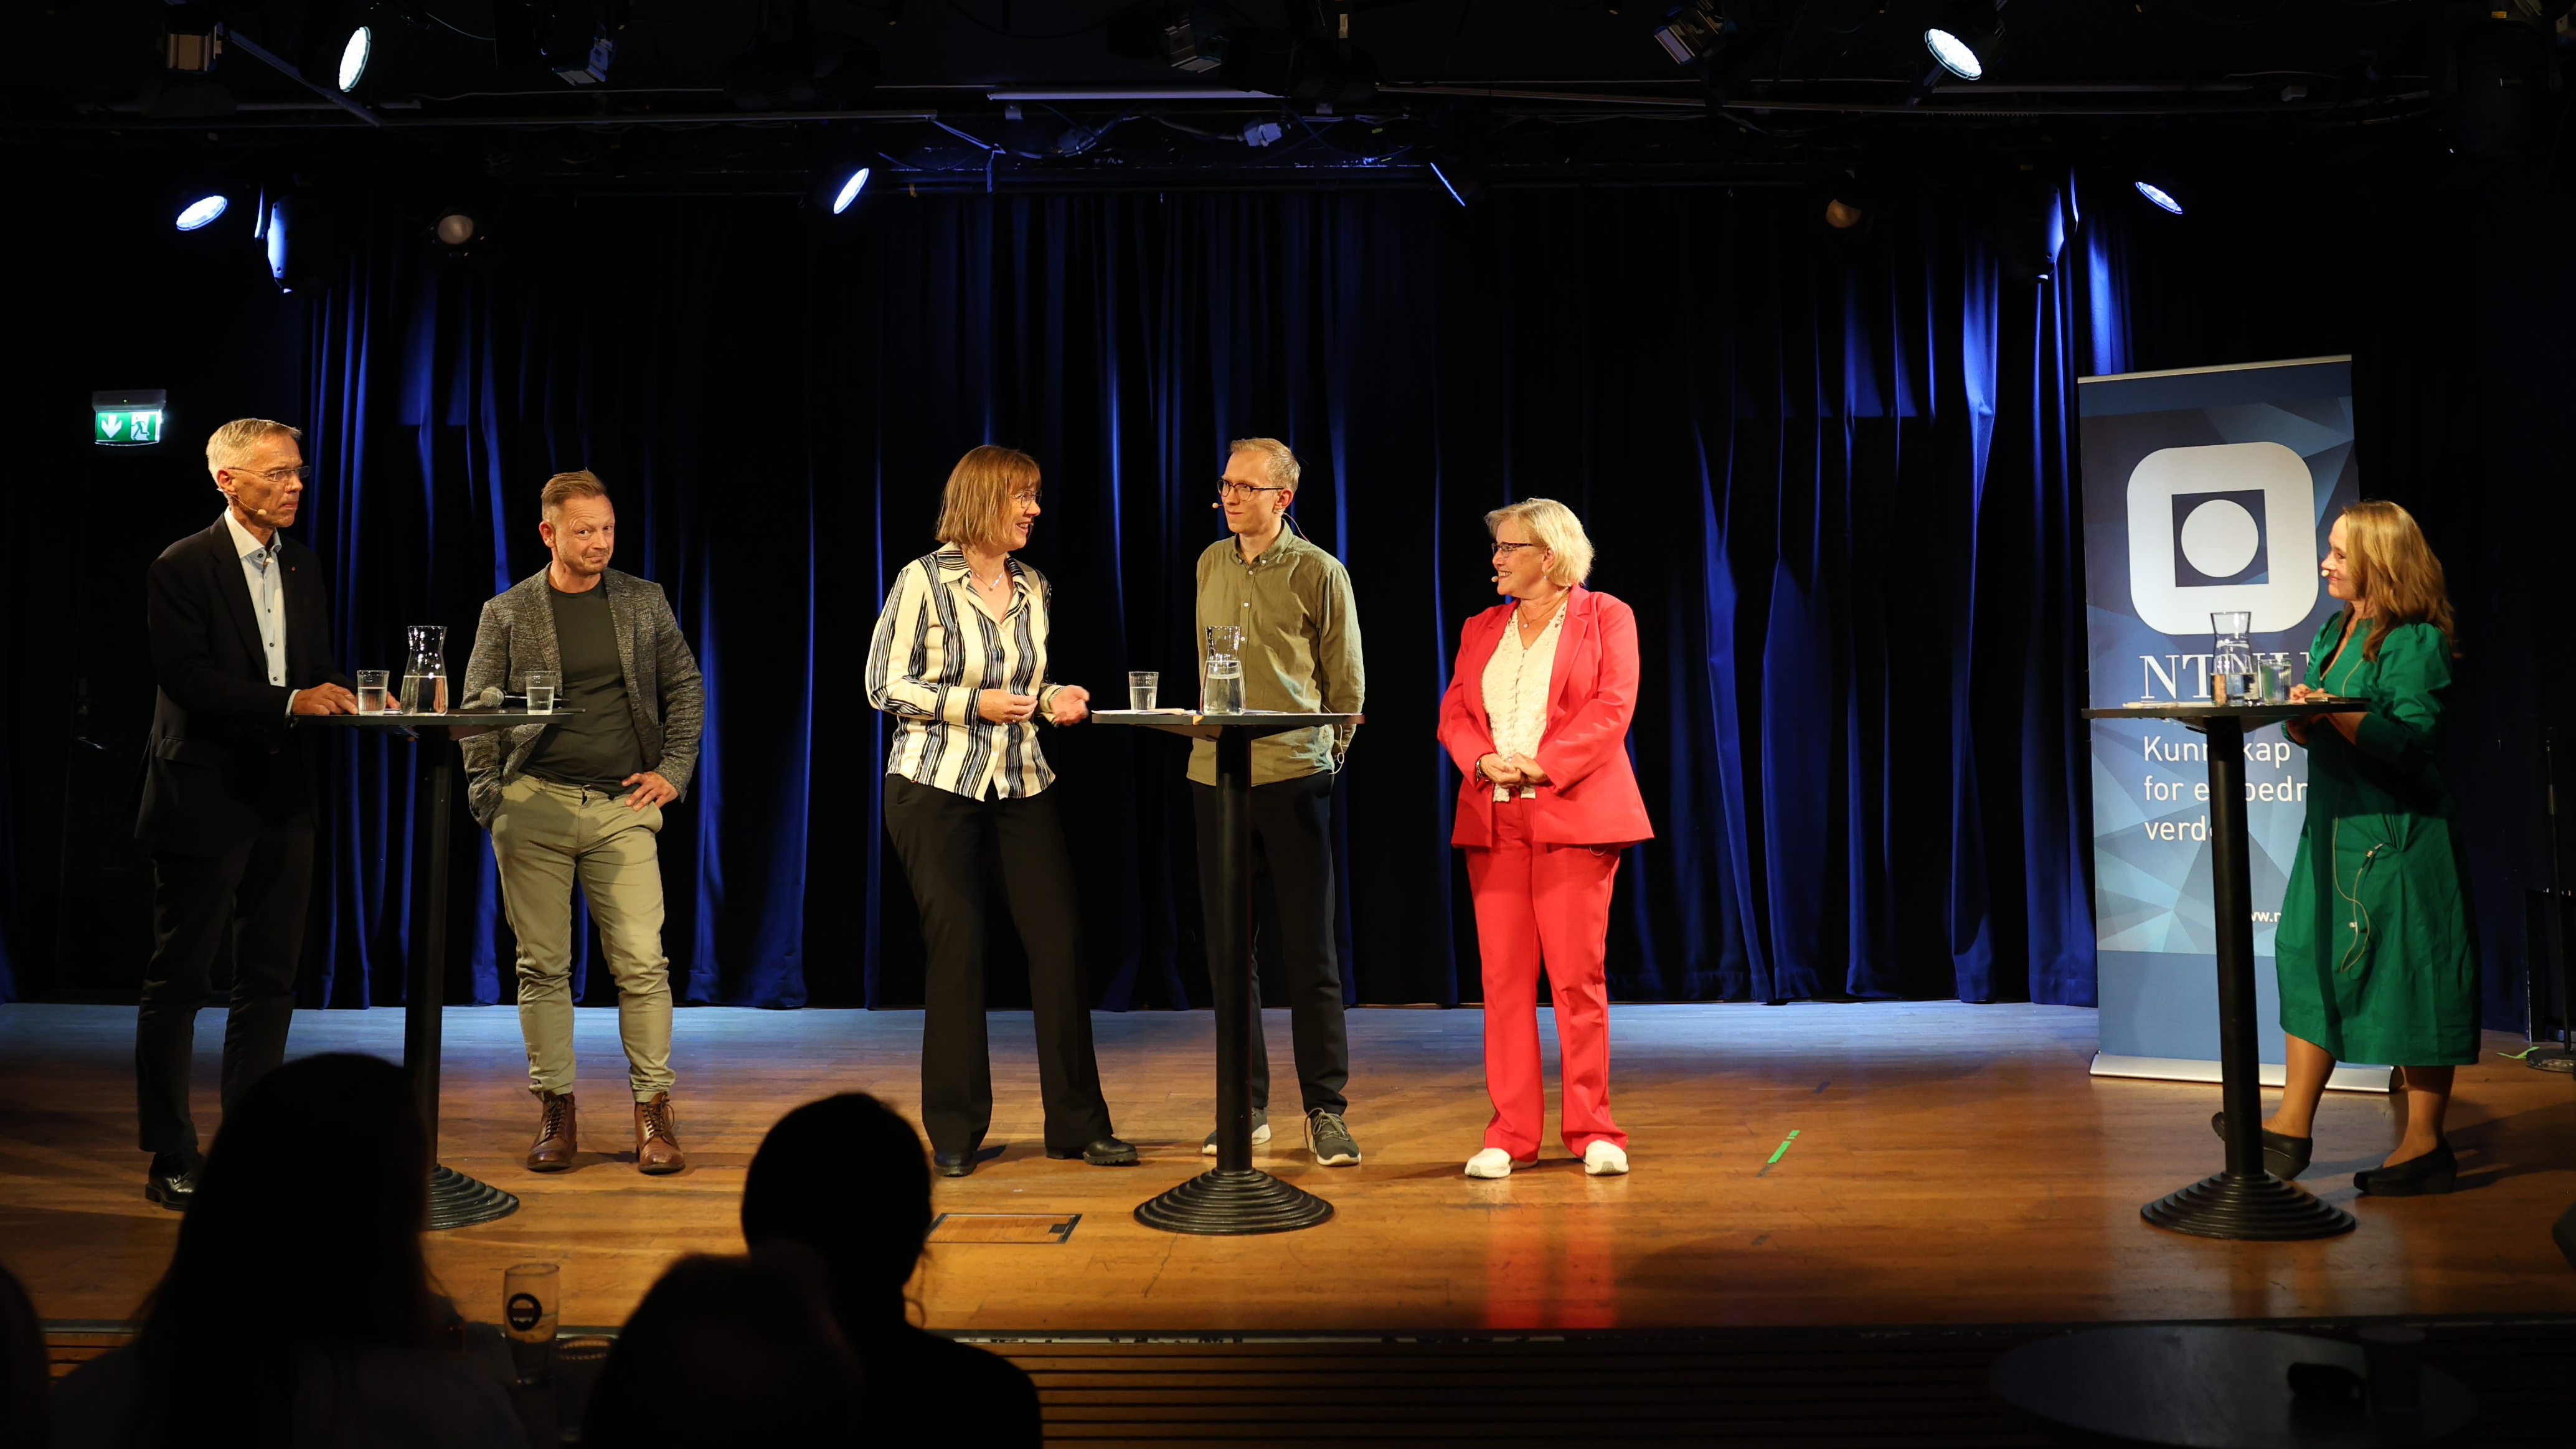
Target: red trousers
(1544, 902)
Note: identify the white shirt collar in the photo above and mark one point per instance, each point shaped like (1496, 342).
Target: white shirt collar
(246, 543)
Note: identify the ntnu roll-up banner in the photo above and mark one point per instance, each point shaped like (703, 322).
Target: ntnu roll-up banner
(2206, 489)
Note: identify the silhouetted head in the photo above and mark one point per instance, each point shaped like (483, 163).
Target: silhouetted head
(305, 1233)
(729, 1351)
(847, 1178)
(26, 1390)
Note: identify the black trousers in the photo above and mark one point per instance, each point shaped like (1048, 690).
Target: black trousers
(256, 892)
(946, 841)
(1292, 839)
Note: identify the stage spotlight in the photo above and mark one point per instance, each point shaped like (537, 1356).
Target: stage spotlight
(1460, 179)
(1967, 37)
(2162, 198)
(851, 186)
(1852, 201)
(192, 41)
(576, 39)
(202, 212)
(1181, 35)
(354, 56)
(301, 234)
(192, 38)
(1692, 32)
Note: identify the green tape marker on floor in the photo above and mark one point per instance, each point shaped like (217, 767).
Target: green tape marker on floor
(1783, 1147)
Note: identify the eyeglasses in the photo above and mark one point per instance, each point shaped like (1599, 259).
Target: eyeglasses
(1508, 549)
(302, 472)
(1228, 488)
(1023, 500)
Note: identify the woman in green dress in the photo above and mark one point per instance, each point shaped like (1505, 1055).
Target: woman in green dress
(2374, 950)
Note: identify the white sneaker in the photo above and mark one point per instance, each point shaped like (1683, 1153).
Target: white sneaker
(1494, 1162)
(1601, 1159)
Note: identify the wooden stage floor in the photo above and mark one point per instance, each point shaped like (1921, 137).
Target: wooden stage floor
(1954, 1165)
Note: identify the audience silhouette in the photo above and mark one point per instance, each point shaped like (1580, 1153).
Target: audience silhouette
(730, 1351)
(297, 1310)
(25, 1395)
(847, 1178)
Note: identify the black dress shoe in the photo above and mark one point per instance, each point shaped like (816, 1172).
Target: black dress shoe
(172, 1182)
(1107, 1152)
(2284, 1156)
(953, 1164)
(2435, 1171)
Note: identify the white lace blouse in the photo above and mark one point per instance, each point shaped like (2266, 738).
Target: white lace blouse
(1516, 681)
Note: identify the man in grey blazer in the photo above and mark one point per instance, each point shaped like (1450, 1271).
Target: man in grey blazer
(582, 800)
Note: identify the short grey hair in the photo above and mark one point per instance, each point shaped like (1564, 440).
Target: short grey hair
(239, 436)
(1283, 464)
(1551, 525)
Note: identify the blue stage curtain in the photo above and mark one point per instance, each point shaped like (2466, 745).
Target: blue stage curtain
(1832, 474)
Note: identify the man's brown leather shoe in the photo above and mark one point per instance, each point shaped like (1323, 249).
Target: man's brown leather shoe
(657, 1137)
(557, 1137)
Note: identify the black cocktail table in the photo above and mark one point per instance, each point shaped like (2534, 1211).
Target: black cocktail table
(455, 1200)
(1236, 1197)
(2244, 1201)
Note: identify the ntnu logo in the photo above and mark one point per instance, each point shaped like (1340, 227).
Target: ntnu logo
(2224, 526)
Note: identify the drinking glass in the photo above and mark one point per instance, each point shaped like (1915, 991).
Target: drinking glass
(2274, 670)
(375, 692)
(1140, 688)
(531, 1306)
(542, 684)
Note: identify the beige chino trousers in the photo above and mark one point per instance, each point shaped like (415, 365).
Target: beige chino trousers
(546, 837)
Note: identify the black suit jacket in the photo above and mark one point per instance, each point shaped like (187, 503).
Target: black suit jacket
(224, 761)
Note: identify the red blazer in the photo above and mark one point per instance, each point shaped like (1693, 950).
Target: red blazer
(1591, 796)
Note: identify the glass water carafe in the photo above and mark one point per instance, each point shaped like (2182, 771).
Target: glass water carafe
(1221, 689)
(2231, 657)
(424, 681)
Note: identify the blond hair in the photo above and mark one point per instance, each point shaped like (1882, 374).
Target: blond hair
(1552, 526)
(239, 436)
(565, 487)
(979, 488)
(1283, 464)
(2395, 572)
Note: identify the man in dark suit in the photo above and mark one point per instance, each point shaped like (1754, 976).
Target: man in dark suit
(241, 643)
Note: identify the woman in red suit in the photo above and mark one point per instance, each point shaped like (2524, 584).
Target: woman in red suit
(1537, 718)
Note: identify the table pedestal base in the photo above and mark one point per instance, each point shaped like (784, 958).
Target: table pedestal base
(458, 1201)
(2261, 1208)
(1234, 1203)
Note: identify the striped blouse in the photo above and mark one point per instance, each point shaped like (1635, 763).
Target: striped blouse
(936, 646)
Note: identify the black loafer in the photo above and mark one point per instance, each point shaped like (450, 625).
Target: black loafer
(1107, 1152)
(953, 1164)
(2284, 1156)
(172, 1181)
(2436, 1171)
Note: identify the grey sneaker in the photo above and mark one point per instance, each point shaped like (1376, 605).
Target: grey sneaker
(1331, 1140)
(1260, 1133)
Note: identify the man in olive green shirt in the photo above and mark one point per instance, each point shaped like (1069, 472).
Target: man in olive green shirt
(1301, 651)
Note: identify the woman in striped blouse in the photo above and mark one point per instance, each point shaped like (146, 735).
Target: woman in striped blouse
(959, 659)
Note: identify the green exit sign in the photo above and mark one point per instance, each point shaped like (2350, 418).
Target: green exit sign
(135, 426)
(128, 418)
